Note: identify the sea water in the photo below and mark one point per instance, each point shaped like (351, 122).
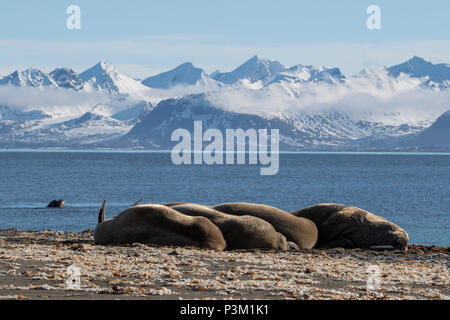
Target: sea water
(409, 189)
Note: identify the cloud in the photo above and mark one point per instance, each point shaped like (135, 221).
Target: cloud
(390, 102)
(67, 102)
(50, 100)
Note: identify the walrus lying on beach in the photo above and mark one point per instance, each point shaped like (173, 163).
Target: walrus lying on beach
(352, 227)
(301, 231)
(160, 225)
(240, 232)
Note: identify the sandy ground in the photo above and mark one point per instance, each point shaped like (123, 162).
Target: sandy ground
(63, 265)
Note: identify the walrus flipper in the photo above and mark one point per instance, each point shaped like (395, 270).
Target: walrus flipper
(101, 214)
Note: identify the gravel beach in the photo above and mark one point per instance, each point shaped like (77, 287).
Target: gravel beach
(66, 265)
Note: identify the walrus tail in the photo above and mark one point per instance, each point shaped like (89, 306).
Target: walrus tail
(101, 214)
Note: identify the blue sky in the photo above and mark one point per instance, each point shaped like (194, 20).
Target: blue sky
(146, 37)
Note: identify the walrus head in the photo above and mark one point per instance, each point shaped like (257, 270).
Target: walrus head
(400, 240)
(397, 237)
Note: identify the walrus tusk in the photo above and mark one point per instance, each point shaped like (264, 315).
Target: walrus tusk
(101, 214)
(137, 202)
(385, 247)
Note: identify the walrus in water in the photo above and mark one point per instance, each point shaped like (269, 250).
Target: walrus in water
(240, 232)
(160, 225)
(352, 227)
(56, 204)
(301, 231)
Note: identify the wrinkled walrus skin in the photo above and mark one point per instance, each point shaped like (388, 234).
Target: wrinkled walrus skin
(351, 227)
(240, 232)
(301, 231)
(159, 225)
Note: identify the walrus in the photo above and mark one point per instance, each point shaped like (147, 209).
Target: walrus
(160, 225)
(240, 232)
(351, 227)
(56, 204)
(301, 231)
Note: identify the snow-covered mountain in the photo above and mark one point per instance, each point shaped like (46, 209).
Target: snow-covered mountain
(314, 107)
(106, 78)
(79, 132)
(300, 73)
(154, 131)
(13, 114)
(66, 78)
(314, 131)
(30, 77)
(102, 77)
(437, 135)
(261, 71)
(185, 74)
(435, 75)
(135, 112)
(254, 70)
(380, 79)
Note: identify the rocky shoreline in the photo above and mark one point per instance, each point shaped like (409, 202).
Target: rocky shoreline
(39, 265)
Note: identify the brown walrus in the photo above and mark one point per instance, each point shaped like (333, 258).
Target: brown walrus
(240, 232)
(160, 225)
(352, 227)
(56, 204)
(301, 231)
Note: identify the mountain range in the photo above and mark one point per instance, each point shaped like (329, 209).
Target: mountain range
(402, 107)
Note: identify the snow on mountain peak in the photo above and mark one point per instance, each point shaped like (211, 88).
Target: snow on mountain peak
(380, 81)
(105, 77)
(417, 59)
(437, 75)
(377, 72)
(101, 69)
(67, 78)
(30, 77)
(184, 74)
(255, 69)
(300, 73)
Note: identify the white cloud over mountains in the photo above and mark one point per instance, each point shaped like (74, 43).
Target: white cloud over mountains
(360, 97)
(46, 100)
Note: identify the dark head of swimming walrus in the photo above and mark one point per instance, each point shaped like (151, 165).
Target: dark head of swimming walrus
(240, 232)
(352, 227)
(159, 225)
(56, 204)
(301, 231)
